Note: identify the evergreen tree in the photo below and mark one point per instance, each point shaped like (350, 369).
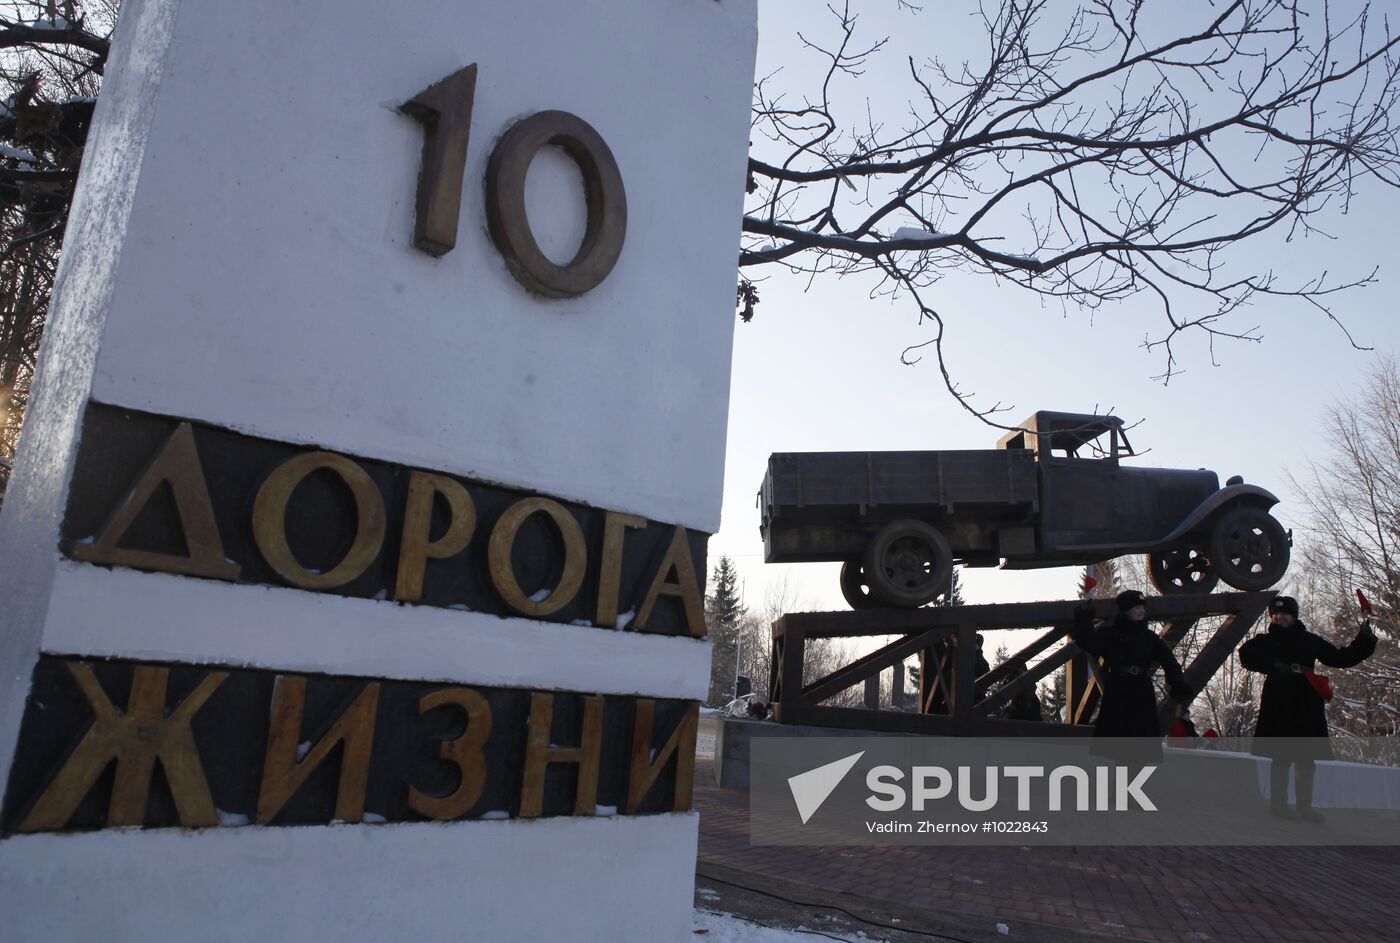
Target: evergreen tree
(1109, 580)
(954, 596)
(1055, 699)
(724, 611)
(723, 607)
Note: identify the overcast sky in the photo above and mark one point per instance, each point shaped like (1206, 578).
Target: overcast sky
(819, 369)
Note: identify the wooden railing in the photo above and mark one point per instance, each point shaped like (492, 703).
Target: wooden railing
(952, 700)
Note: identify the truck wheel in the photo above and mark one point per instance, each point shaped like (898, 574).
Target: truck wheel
(1184, 570)
(855, 587)
(908, 564)
(1249, 549)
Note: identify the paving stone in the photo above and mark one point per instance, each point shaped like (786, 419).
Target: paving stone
(1271, 895)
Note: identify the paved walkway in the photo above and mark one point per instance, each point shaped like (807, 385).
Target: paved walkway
(1161, 894)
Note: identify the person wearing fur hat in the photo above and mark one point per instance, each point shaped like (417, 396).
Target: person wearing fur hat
(1129, 649)
(1292, 726)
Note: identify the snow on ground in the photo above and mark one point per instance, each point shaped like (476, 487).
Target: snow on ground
(725, 928)
(712, 927)
(705, 738)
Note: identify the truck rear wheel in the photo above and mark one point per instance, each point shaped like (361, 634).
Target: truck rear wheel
(1184, 570)
(855, 587)
(1249, 549)
(908, 564)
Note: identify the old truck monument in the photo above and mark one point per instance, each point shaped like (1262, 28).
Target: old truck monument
(1055, 492)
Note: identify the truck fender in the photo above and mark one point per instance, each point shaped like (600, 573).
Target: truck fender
(1248, 495)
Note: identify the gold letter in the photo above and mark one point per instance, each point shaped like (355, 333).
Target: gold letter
(135, 739)
(685, 586)
(464, 752)
(283, 773)
(415, 548)
(503, 541)
(270, 520)
(178, 464)
(539, 754)
(645, 770)
(614, 528)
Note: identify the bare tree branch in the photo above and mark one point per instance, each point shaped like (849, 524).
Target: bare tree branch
(1087, 156)
(51, 60)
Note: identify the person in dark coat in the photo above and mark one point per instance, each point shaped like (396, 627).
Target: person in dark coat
(1292, 726)
(1025, 702)
(980, 669)
(1130, 650)
(1183, 731)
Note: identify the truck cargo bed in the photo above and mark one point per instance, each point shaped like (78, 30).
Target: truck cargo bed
(802, 485)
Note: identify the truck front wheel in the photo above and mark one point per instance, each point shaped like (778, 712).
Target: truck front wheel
(908, 564)
(1249, 549)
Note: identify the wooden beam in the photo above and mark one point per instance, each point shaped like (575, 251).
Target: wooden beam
(1214, 654)
(1033, 673)
(1174, 631)
(851, 718)
(1022, 615)
(775, 672)
(876, 661)
(794, 645)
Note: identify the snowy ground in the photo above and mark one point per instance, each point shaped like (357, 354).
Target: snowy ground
(705, 739)
(705, 746)
(714, 927)
(725, 928)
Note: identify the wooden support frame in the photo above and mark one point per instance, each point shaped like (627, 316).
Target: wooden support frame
(944, 637)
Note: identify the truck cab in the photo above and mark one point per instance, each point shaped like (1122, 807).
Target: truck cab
(1090, 500)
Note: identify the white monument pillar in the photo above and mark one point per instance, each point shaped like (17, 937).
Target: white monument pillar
(353, 563)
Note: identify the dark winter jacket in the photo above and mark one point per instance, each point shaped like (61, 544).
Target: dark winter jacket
(1290, 706)
(1025, 704)
(982, 668)
(938, 704)
(1128, 707)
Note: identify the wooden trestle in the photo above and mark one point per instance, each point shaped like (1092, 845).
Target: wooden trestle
(951, 700)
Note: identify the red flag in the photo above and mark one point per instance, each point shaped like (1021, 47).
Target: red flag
(1364, 602)
(1321, 684)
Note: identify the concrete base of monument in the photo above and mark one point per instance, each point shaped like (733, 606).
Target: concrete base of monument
(616, 879)
(734, 735)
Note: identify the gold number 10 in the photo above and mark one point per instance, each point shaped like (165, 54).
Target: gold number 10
(445, 111)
